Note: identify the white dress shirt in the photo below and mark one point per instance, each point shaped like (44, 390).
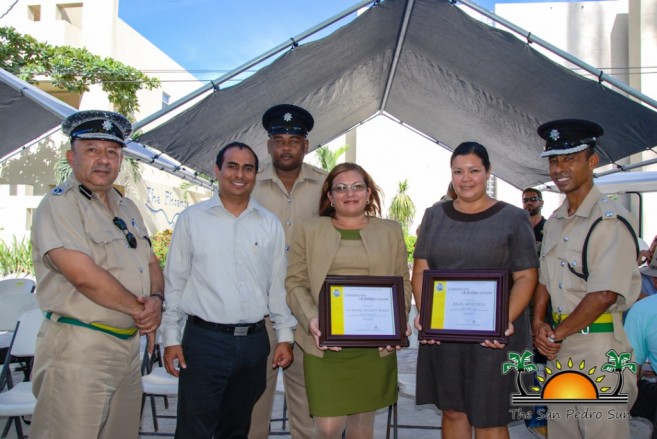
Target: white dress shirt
(226, 269)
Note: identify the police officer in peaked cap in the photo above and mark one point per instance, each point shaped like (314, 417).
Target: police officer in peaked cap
(589, 282)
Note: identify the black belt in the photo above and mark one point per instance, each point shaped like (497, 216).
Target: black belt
(238, 330)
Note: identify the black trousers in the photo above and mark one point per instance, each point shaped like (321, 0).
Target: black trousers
(646, 404)
(224, 378)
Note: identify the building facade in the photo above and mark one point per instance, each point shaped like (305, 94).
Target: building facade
(96, 26)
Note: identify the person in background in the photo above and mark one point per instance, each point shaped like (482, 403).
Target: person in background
(100, 285)
(586, 307)
(450, 195)
(532, 202)
(225, 272)
(641, 328)
(648, 282)
(455, 375)
(290, 189)
(347, 385)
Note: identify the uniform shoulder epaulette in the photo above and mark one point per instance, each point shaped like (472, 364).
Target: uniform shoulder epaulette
(61, 188)
(609, 211)
(608, 208)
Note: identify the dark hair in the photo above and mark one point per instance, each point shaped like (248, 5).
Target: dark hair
(372, 209)
(475, 148)
(220, 157)
(536, 191)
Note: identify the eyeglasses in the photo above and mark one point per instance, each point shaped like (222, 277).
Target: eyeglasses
(343, 188)
(132, 241)
(528, 199)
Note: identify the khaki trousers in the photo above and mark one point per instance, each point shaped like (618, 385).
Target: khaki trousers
(301, 423)
(87, 384)
(592, 421)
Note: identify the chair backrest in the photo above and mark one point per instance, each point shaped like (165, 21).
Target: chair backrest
(17, 285)
(12, 306)
(27, 330)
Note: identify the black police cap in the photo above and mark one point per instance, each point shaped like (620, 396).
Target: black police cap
(288, 119)
(97, 124)
(568, 136)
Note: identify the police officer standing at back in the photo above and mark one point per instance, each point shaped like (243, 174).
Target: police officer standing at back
(290, 189)
(99, 285)
(589, 286)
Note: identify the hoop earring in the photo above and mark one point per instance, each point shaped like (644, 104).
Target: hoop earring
(332, 205)
(367, 202)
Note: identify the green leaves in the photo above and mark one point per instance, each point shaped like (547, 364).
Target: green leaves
(327, 158)
(520, 362)
(72, 69)
(402, 208)
(619, 362)
(16, 258)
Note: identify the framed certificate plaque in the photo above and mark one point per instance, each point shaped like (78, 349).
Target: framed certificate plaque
(465, 305)
(366, 311)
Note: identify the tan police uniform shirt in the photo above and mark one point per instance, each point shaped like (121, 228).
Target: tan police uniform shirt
(611, 254)
(73, 218)
(291, 208)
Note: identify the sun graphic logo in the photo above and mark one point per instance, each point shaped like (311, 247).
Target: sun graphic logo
(573, 384)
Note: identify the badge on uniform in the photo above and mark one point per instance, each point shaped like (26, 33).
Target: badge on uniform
(57, 191)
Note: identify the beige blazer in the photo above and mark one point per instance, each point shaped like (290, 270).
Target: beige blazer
(312, 251)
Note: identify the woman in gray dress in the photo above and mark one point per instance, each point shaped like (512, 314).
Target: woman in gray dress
(475, 231)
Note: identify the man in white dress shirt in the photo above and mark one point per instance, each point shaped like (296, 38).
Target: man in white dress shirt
(225, 272)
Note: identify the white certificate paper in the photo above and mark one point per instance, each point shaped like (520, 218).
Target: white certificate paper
(368, 310)
(470, 305)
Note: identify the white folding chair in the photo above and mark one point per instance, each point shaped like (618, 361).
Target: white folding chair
(18, 400)
(17, 285)
(12, 306)
(156, 381)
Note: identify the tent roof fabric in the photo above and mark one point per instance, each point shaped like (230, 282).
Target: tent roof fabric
(27, 112)
(455, 79)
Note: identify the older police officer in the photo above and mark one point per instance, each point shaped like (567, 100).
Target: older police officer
(589, 284)
(99, 284)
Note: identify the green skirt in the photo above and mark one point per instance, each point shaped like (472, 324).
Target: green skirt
(354, 380)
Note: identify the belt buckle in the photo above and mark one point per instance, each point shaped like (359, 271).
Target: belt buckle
(241, 331)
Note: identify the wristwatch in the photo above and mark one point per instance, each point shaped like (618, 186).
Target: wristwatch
(162, 299)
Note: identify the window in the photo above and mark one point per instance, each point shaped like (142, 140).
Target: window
(165, 100)
(34, 12)
(71, 13)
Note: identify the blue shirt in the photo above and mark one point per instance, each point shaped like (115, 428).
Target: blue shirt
(641, 329)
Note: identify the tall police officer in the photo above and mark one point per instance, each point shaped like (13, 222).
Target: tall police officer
(291, 189)
(589, 284)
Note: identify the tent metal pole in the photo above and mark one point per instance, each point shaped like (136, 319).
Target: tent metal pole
(255, 61)
(563, 54)
(623, 168)
(395, 59)
(169, 168)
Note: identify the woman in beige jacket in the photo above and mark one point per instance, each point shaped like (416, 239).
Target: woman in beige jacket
(345, 386)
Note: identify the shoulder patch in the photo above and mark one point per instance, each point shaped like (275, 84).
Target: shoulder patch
(60, 189)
